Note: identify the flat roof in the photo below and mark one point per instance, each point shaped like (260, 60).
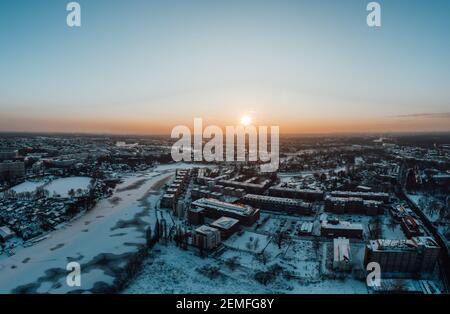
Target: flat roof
(206, 230)
(223, 206)
(341, 248)
(392, 245)
(281, 200)
(225, 222)
(306, 191)
(341, 225)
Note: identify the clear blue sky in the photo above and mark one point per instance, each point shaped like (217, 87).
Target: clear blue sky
(143, 66)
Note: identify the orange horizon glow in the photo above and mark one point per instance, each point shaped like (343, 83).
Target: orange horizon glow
(155, 126)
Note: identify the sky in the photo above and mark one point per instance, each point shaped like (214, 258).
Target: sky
(144, 66)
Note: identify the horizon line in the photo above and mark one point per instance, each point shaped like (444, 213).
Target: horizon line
(337, 133)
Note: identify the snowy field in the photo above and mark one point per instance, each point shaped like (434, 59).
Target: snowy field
(27, 186)
(248, 241)
(301, 268)
(63, 185)
(391, 229)
(59, 186)
(172, 270)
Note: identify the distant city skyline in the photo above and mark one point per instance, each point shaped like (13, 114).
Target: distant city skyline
(143, 67)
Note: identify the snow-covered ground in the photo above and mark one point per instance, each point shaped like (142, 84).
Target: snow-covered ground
(102, 241)
(391, 229)
(302, 267)
(27, 186)
(63, 185)
(422, 201)
(172, 270)
(248, 241)
(59, 186)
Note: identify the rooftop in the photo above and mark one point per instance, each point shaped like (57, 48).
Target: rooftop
(206, 230)
(223, 206)
(225, 222)
(341, 225)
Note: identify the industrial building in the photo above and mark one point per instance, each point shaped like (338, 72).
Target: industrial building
(273, 203)
(418, 255)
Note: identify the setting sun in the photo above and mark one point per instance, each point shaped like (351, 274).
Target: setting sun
(246, 120)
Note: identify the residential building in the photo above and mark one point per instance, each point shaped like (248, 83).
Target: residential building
(273, 203)
(206, 237)
(246, 215)
(417, 255)
(336, 228)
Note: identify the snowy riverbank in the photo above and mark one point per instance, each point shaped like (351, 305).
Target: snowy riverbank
(103, 241)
